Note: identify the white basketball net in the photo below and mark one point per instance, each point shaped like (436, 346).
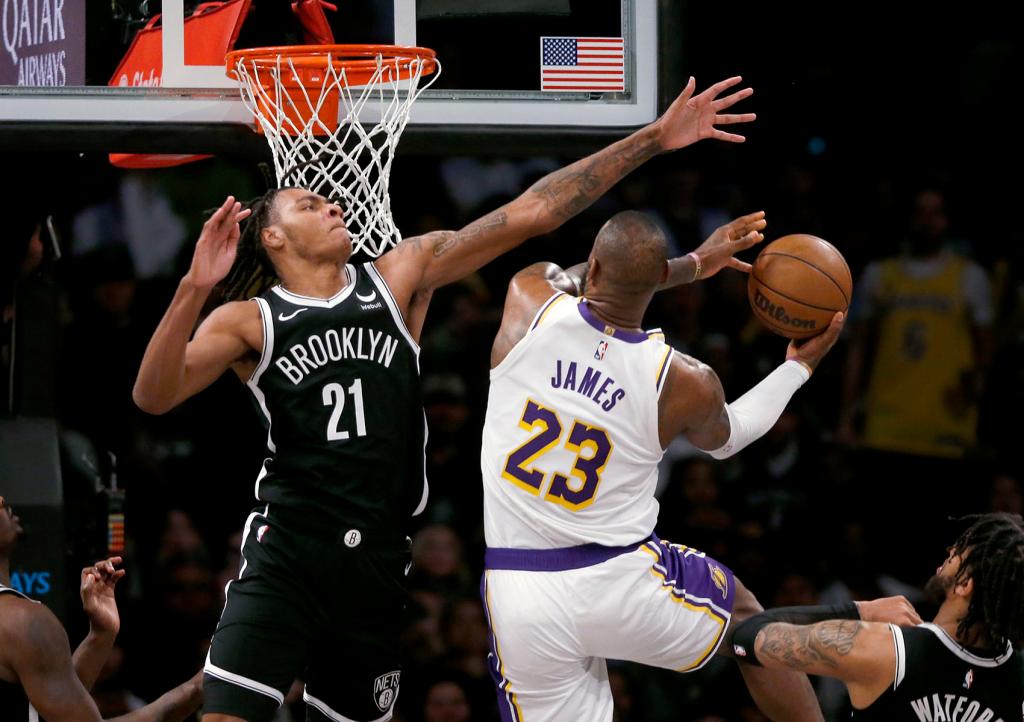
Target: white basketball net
(350, 164)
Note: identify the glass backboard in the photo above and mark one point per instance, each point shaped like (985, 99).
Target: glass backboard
(522, 65)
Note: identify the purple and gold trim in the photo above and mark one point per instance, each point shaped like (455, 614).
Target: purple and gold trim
(556, 560)
(697, 582)
(549, 304)
(619, 333)
(508, 704)
(663, 368)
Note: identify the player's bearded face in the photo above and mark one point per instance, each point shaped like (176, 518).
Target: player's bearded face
(936, 590)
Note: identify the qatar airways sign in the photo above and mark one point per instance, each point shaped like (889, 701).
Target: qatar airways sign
(43, 42)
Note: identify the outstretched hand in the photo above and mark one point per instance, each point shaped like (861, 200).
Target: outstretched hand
(218, 244)
(693, 117)
(720, 248)
(811, 351)
(97, 591)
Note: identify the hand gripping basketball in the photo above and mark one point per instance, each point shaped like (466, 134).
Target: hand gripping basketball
(217, 245)
(813, 350)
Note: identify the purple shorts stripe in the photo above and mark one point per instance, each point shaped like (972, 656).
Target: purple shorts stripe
(554, 560)
(508, 708)
(694, 578)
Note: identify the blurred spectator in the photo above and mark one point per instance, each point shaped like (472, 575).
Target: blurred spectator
(921, 335)
(931, 313)
(446, 700)
(1006, 495)
(437, 562)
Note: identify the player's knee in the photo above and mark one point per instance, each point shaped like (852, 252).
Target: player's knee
(746, 604)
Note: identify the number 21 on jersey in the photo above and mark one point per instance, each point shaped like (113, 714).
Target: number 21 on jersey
(590, 444)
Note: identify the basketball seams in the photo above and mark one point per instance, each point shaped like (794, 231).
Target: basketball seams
(790, 298)
(820, 270)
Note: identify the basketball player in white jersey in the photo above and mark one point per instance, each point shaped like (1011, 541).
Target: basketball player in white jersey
(582, 404)
(39, 677)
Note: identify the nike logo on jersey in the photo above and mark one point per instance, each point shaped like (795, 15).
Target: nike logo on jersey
(367, 299)
(290, 316)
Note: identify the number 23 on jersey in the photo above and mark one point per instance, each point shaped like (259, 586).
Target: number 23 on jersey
(590, 444)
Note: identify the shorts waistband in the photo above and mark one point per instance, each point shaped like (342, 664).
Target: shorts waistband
(555, 560)
(325, 529)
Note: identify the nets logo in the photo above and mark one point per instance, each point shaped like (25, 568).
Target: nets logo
(385, 690)
(778, 313)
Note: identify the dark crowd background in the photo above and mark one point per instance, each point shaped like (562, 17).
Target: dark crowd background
(892, 140)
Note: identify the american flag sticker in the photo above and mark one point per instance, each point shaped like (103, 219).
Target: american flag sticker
(582, 64)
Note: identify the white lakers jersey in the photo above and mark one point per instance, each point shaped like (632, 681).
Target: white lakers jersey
(570, 442)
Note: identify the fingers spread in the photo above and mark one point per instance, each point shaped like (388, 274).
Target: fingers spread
(730, 100)
(723, 85)
(729, 119)
(739, 265)
(731, 137)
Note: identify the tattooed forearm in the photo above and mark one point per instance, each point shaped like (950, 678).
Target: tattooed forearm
(804, 647)
(568, 191)
(447, 240)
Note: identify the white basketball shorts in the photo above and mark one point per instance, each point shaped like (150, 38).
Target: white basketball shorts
(556, 615)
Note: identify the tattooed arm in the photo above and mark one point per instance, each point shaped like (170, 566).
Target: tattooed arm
(861, 654)
(437, 258)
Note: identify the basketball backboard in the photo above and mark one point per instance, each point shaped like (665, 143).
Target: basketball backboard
(59, 60)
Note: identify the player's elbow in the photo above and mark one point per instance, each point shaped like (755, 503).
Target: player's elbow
(150, 403)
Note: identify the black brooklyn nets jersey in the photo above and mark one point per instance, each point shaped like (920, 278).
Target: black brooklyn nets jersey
(338, 389)
(937, 680)
(14, 704)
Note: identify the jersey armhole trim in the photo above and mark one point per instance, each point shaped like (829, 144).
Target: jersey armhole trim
(528, 337)
(543, 310)
(391, 303)
(663, 367)
(254, 381)
(266, 317)
(901, 655)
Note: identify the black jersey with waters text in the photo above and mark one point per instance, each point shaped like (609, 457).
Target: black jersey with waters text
(938, 680)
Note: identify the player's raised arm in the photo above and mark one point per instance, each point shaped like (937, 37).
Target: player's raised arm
(174, 369)
(40, 657)
(693, 401)
(441, 257)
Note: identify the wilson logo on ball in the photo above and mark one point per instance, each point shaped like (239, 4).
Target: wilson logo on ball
(778, 313)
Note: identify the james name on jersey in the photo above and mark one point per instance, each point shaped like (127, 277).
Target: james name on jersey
(590, 384)
(335, 345)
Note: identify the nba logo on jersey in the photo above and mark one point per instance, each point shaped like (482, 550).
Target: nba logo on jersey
(385, 690)
(602, 346)
(261, 531)
(969, 679)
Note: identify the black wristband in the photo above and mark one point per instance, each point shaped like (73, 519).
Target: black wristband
(745, 635)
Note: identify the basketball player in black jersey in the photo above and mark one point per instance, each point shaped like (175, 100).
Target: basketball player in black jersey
(39, 677)
(959, 668)
(329, 351)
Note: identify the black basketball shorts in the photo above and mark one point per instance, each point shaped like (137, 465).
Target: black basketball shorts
(325, 608)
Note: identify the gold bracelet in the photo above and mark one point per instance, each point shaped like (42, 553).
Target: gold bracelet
(696, 264)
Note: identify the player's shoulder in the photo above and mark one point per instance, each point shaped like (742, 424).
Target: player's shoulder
(233, 314)
(691, 378)
(27, 625)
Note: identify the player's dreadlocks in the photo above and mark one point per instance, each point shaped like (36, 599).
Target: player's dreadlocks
(252, 272)
(992, 554)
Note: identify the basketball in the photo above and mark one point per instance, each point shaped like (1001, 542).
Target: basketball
(797, 284)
